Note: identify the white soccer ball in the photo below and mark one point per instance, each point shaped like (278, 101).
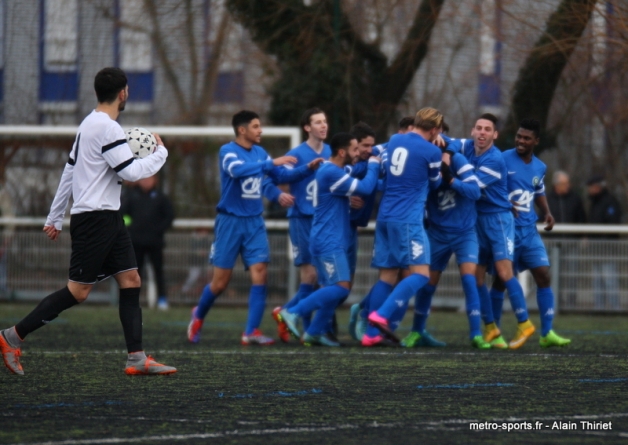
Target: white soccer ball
(141, 141)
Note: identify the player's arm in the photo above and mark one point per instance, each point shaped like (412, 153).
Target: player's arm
(465, 182)
(488, 173)
(434, 175)
(275, 194)
(345, 185)
(548, 219)
(288, 174)
(117, 153)
(54, 221)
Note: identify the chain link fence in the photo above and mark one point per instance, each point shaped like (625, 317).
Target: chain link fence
(589, 274)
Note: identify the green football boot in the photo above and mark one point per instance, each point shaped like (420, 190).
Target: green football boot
(553, 339)
(479, 343)
(425, 339)
(499, 343)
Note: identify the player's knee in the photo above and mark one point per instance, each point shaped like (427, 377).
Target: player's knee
(542, 278)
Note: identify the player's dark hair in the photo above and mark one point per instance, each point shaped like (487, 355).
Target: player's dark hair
(532, 125)
(405, 122)
(108, 83)
(445, 127)
(242, 119)
(490, 117)
(306, 119)
(340, 141)
(362, 130)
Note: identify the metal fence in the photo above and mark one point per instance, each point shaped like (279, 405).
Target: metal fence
(588, 273)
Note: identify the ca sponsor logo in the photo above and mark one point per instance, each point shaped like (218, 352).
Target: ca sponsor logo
(522, 198)
(446, 200)
(251, 188)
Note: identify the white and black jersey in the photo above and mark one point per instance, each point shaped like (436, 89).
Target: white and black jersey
(99, 159)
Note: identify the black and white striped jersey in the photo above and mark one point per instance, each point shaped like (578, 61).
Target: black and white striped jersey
(99, 160)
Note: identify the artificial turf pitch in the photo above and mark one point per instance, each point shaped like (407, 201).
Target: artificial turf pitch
(75, 392)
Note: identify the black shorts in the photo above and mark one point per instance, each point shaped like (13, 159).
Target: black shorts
(101, 246)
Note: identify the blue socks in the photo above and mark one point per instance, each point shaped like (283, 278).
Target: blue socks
(485, 304)
(407, 288)
(517, 300)
(205, 303)
(497, 302)
(324, 301)
(422, 304)
(472, 302)
(378, 294)
(257, 304)
(304, 291)
(545, 301)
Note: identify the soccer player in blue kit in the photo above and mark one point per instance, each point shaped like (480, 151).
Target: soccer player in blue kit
(412, 169)
(526, 187)
(452, 219)
(239, 228)
(314, 123)
(495, 230)
(330, 238)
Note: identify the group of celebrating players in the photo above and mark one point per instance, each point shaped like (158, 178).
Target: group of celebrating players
(476, 202)
(479, 204)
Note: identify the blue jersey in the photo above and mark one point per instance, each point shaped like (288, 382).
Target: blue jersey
(303, 190)
(360, 217)
(242, 174)
(330, 227)
(490, 170)
(525, 183)
(412, 168)
(451, 208)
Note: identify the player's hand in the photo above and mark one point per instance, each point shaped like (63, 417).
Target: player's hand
(313, 165)
(445, 171)
(446, 158)
(355, 202)
(549, 222)
(286, 200)
(283, 160)
(513, 209)
(52, 232)
(440, 142)
(158, 139)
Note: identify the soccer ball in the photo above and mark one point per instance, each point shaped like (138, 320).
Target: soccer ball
(141, 141)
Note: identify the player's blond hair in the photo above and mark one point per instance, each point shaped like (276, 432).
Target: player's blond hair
(428, 118)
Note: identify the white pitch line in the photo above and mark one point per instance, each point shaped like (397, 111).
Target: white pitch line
(297, 430)
(331, 352)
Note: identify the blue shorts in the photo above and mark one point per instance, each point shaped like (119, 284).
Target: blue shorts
(300, 229)
(443, 244)
(496, 237)
(332, 267)
(399, 245)
(352, 249)
(239, 235)
(530, 251)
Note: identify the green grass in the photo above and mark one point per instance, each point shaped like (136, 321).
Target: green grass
(74, 388)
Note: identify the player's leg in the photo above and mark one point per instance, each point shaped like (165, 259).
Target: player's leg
(299, 231)
(419, 336)
(257, 303)
(533, 256)
(498, 289)
(223, 254)
(156, 255)
(121, 264)
(413, 252)
(334, 277)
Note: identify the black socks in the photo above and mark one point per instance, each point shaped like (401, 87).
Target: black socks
(47, 310)
(131, 318)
